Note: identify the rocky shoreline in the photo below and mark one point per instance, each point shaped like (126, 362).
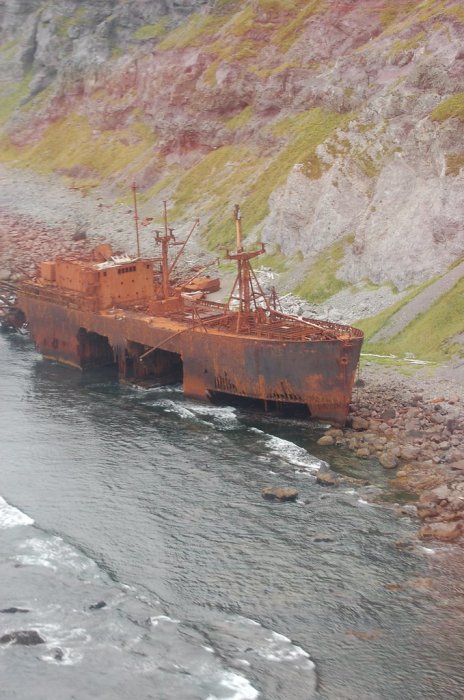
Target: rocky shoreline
(414, 427)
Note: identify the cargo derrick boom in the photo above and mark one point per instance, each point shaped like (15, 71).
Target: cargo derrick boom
(118, 309)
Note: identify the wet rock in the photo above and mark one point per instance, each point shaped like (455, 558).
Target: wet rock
(98, 606)
(323, 538)
(327, 478)
(279, 493)
(24, 637)
(446, 532)
(388, 460)
(326, 440)
(14, 610)
(359, 423)
(406, 545)
(393, 586)
(57, 653)
(370, 492)
(363, 452)
(336, 433)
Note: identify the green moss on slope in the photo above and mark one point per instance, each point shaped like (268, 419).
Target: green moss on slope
(321, 282)
(450, 107)
(430, 335)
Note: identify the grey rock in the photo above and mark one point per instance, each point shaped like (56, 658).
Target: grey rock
(279, 493)
(23, 637)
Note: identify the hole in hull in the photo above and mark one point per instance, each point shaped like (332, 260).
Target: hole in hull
(280, 408)
(94, 350)
(157, 368)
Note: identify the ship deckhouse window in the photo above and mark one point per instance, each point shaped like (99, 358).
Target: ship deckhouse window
(122, 270)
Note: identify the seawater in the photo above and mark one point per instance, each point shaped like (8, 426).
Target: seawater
(151, 503)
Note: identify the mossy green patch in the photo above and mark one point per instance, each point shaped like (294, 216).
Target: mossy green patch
(11, 95)
(304, 132)
(315, 167)
(152, 31)
(70, 145)
(288, 33)
(321, 282)
(241, 119)
(196, 31)
(214, 185)
(64, 24)
(407, 44)
(274, 259)
(454, 163)
(450, 107)
(430, 335)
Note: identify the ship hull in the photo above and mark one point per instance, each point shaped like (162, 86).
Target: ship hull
(210, 363)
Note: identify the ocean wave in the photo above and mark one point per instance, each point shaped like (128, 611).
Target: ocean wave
(234, 687)
(246, 643)
(289, 452)
(221, 417)
(54, 553)
(11, 516)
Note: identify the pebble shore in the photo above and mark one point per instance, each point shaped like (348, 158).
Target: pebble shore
(414, 427)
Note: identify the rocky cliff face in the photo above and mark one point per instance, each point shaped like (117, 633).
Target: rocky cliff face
(338, 125)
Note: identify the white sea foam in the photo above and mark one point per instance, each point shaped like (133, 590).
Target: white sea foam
(281, 648)
(428, 550)
(234, 687)
(52, 553)
(292, 454)
(11, 516)
(64, 641)
(156, 619)
(175, 407)
(223, 416)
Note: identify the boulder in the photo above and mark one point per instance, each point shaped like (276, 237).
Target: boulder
(327, 478)
(446, 532)
(98, 606)
(326, 440)
(409, 452)
(279, 493)
(24, 637)
(14, 610)
(358, 423)
(363, 452)
(388, 460)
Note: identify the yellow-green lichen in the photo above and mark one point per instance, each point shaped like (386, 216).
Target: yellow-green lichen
(152, 31)
(450, 107)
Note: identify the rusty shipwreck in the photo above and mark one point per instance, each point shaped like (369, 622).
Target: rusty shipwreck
(125, 310)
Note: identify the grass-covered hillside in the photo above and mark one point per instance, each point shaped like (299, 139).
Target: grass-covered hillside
(338, 126)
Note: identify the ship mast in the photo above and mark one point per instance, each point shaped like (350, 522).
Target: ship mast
(246, 289)
(167, 239)
(136, 218)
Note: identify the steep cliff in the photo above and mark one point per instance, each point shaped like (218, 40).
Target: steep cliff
(338, 125)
